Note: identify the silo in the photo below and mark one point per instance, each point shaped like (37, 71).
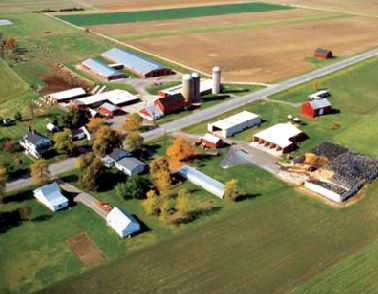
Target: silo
(196, 87)
(216, 80)
(187, 88)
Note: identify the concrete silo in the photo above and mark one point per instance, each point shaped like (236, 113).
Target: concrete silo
(216, 80)
(187, 90)
(196, 87)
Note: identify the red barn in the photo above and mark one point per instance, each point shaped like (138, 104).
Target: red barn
(212, 141)
(170, 104)
(108, 110)
(323, 53)
(316, 107)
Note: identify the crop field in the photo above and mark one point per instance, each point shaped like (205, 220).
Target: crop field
(88, 19)
(29, 5)
(271, 45)
(353, 94)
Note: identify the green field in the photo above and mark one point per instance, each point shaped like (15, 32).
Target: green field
(176, 13)
(353, 94)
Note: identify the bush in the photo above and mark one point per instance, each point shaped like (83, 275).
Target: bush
(18, 116)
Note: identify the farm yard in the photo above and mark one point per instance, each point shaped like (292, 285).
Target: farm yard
(279, 38)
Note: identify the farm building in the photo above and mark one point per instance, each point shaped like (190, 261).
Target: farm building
(68, 94)
(107, 109)
(341, 172)
(323, 53)
(282, 137)
(88, 134)
(198, 178)
(5, 22)
(117, 97)
(319, 95)
(116, 155)
(234, 124)
(141, 65)
(169, 105)
(316, 107)
(51, 196)
(36, 144)
(101, 70)
(211, 141)
(122, 222)
(151, 112)
(78, 134)
(206, 86)
(52, 128)
(130, 166)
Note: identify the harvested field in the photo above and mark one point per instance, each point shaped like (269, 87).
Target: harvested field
(85, 249)
(29, 5)
(265, 54)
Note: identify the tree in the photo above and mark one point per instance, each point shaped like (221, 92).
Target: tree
(183, 202)
(179, 151)
(85, 160)
(159, 164)
(3, 180)
(163, 183)
(152, 204)
(18, 116)
(10, 44)
(231, 190)
(74, 118)
(315, 84)
(95, 123)
(134, 141)
(91, 175)
(63, 143)
(134, 188)
(105, 140)
(165, 208)
(25, 213)
(133, 123)
(40, 173)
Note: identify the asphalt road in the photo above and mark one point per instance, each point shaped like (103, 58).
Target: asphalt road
(231, 104)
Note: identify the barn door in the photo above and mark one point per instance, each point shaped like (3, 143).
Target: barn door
(321, 111)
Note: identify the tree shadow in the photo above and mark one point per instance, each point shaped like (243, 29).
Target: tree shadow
(247, 196)
(19, 197)
(70, 179)
(198, 213)
(214, 98)
(9, 220)
(111, 179)
(42, 218)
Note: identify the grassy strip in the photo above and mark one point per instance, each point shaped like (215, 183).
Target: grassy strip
(164, 14)
(154, 89)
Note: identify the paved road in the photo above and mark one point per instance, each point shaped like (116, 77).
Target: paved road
(231, 104)
(55, 169)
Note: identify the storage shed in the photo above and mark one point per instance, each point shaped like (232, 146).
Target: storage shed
(51, 196)
(130, 166)
(283, 137)
(116, 97)
(101, 70)
(122, 222)
(316, 107)
(68, 94)
(151, 112)
(234, 124)
(323, 53)
(211, 141)
(198, 178)
(141, 65)
(108, 109)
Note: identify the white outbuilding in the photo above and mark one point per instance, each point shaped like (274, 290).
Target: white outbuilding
(234, 124)
(122, 222)
(68, 94)
(200, 179)
(51, 196)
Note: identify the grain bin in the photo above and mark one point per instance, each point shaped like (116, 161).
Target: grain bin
(196, 87)
(187, 90)
(216, 80)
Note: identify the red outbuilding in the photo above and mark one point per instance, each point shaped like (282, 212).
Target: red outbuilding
(316, 107)
(107, 109)
(323, 53)
(211, 141)
(170, 104)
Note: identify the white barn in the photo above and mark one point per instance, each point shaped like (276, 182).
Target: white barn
(198, 178)
(234, 124)
(68, 94)
(122, 222)
(51, 196)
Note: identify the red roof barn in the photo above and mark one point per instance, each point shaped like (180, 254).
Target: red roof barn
(323, 53)
(108, 109)
(170, 104)
(316, 107)
(212, 141)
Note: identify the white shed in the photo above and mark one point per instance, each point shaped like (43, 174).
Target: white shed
(51, 196)
(130, 166)
(198, 178)
(122, 222)
(234, 124)
(68, 94)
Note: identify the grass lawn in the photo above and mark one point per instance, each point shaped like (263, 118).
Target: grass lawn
(154, 89)
(164, 14)
(353, 93)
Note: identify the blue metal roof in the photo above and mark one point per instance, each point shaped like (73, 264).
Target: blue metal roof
(138, 63)
(100, 68)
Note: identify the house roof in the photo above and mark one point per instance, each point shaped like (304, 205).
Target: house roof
(205, 85)
(108, 106)
(68, 94)
(34, 137)
(100, 67)
(118, 154)
(153, 111)
(170, 100)
(322, 51)
(279, 134)
(52, 193)
(116, 97)
(320, 103)
(130, 163)
(211, 138)
(138, 63)
(235, 120)
(120, 219)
